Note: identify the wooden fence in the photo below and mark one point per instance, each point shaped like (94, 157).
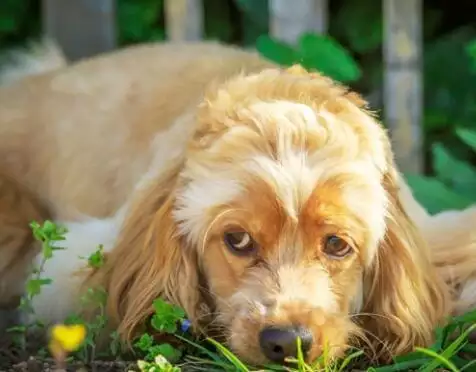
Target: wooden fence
(87, 27)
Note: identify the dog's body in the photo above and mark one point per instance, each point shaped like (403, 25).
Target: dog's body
(112, 147)
(112, 98)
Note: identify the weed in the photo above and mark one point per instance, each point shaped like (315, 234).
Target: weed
(168, 319)
(160, 364)
(48, 235)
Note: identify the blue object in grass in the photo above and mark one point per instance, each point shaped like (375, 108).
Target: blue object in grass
(185, 325)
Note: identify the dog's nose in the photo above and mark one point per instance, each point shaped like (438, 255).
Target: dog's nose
(280, 343)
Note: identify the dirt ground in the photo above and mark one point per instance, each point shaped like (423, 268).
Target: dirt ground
(14, 359)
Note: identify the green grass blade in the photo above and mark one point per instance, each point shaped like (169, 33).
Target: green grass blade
(440, 360)
(470, 364)
(204, 350)
(450, 350)
(229, 355)
(469, 317)
(403, 366)
(222, 366)
(348, 359)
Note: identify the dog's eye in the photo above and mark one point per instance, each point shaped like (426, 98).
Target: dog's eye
(336, 247)
(240, 242)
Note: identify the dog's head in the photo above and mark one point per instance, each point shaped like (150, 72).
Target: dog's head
(284, 218)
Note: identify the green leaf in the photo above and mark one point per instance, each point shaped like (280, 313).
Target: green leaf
(360, 24)
(237, 363)
(169, 352)
(97, 258)
(255, 20)
(440, 360)
(469, 317)
(450, 80)
(19, 329)
(166, 316)
(218, 20)
(434, 195)
(450, 351)
(324, 54)
(139, 20)
(457, 174)
(467, 136)
(33, 286)
(277, 51)
(256, 10)
(145, 342)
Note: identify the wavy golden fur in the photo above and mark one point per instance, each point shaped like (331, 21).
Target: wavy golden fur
(166, 152)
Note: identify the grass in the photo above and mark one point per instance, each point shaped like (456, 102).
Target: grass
(451, 351)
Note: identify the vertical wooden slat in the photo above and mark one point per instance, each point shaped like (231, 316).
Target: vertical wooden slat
(184, 20)
(82, 28)
(403, 81)
(290, 18)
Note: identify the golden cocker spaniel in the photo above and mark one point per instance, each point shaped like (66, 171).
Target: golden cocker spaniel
(264, 201)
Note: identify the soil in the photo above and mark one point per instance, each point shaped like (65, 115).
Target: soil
(14, 359)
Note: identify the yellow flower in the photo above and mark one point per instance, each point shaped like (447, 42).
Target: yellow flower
(67, 338)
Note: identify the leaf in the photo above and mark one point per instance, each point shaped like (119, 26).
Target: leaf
(229, 355)
(33, 286)
(277, 51)
(256, 10)
(97, 258)
(144, 342)
(218, 23)
(166, 316)
(138, 20)
(467, 136)
(439, 358)
(459, 175)
(450, 79)
(360, 24)
(434, 195)
(327, 56)
(451, 350)
(169, 352)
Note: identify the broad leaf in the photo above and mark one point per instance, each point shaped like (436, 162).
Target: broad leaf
(434, 195)
(457, 174)
(467, 136)
(326, 55)
(277, 51)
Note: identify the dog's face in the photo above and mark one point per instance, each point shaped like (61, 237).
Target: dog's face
(286, 203)
(286, 208)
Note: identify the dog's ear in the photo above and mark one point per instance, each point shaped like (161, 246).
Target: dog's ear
(405, 299)
(149, 261)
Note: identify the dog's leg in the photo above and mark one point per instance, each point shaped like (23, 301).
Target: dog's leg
(18, 207)
(69, 266)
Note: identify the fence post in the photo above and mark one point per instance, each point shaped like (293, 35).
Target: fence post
(184, 20)
(290, 18)
(403, 81)
(82, 28)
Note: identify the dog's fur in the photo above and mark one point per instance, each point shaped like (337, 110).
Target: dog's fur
(156, 151)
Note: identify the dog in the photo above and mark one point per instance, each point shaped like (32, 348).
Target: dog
(263, 200)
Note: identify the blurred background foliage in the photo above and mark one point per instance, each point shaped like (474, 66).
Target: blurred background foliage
(350, 53)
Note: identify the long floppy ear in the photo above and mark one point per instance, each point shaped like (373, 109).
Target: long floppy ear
(148, 261)
(405, 298)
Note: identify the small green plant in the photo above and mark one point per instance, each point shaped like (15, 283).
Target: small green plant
(94, 298)
(160, 364)
(48, 234)
(151, 349)
(167, 319)
(314, 52)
